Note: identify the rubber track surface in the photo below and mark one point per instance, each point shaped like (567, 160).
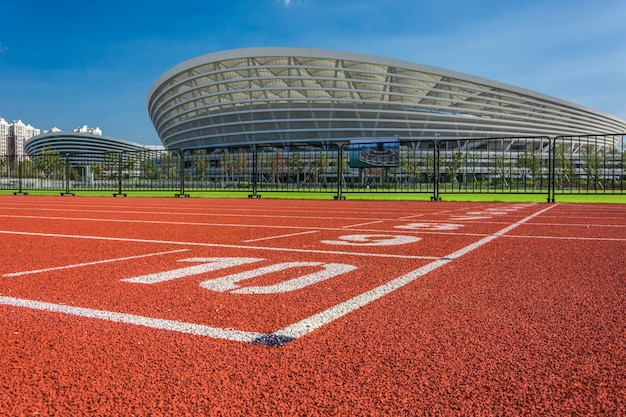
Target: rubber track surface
(532, 322)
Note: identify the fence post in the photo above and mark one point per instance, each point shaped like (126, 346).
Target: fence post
(67, 176)
(119, 176)
(436, 167)
(20, 177)
(551, 169)
(255, 174)
(181, 168)
(339, 196)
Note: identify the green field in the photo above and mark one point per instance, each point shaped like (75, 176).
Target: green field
(369, 196)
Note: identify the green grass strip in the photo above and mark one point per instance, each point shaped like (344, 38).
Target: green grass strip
(365, 196)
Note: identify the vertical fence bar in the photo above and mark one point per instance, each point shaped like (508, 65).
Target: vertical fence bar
(339, 195)
(255, 173)
(119, 176)
(67, 177)
(551, 170)
(436, 171)
(20, 178)
(181, 170)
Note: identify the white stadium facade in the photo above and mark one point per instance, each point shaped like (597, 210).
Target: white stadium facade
(309, 96)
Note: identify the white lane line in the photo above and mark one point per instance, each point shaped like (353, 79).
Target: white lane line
(318, 320)
(619, 226)
(255, 216)
(217, 245)
(179, 223)
(607, 239)
(104, 261)
(362, 224)
(260, 226)
(162, 324)
(414, 216)
(281, 236)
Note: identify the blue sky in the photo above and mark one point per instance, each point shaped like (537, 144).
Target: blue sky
(68, 63)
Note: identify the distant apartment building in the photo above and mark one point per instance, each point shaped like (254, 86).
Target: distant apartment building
(4, 137)
(13, 136)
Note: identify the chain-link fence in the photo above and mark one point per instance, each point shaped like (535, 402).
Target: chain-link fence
(518, 165)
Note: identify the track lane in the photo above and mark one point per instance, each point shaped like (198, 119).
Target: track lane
(512, 328)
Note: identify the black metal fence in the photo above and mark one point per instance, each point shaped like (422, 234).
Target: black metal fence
(517, 165)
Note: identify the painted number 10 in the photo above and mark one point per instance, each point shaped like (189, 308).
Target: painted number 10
(232, 282)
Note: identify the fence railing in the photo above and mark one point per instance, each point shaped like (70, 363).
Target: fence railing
(514, 165)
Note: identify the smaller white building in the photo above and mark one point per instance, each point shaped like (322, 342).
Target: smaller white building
(91, 130)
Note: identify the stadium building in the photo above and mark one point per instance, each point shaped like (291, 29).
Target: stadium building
(289, 96)
(79, 141)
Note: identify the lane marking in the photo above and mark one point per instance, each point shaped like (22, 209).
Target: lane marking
(161, 324)
(264, 226)
(578, 225)
(337, 311)
(281, 236)
(362, 224)
(104, 261)
(606, 239)
(175, 223)
(269, 216)
(411, 217)
(218, 245)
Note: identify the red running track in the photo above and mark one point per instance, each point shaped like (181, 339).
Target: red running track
(278, 307)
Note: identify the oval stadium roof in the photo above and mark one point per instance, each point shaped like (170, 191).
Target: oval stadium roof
(293, 95)
(78, 142)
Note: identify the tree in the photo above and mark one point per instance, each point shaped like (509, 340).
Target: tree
(4, 163)
(278, 165)
(111, 163)
(296, 165)
(200, 163)
(319, 166)
(501, 167)
(591, 164)
(454, 166)
(129, 163)
(241, 162)
(264, 163)
(166, 167)
(147, 165)
(49, 163)
(228, 165)
(428, 165)
(473, 162)
(410, 164)
(529, 164)
(563, 165)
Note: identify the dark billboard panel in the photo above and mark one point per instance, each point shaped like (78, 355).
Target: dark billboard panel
(373, 153)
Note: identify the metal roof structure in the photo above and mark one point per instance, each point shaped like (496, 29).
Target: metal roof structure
(293, 95)
(78, 143)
